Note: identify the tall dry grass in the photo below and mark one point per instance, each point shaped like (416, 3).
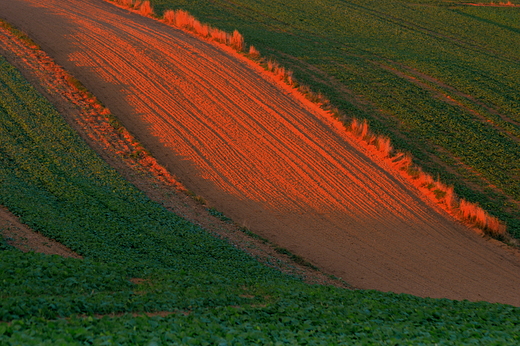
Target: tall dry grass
(499, 4)
(182, 19)
(143, 7)
(126, 3)
(441, 193)
(466, 211)
(237, 41)
(146, 9)
(219, 36)
(169, 17)
(494, 4)
(253, 52)
(203, 30)
(384, 146)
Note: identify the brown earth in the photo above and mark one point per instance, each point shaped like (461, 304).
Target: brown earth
(120, 149)
(22, 237)
(266, 157)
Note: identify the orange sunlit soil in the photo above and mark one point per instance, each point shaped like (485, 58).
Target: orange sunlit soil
(270, 160)
(493, 4)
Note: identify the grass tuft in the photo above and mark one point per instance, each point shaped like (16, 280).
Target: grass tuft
(237, 41)
(297, 259)
(146, 9)
(253, 52)
(466, 211)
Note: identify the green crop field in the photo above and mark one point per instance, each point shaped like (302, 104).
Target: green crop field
(440, 78)
(138, 257)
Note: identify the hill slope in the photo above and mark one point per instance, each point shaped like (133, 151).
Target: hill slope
(190, 288)
(263, 157)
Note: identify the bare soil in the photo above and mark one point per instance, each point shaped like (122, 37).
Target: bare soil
(266, 157)
(121, 150)
(22, 237)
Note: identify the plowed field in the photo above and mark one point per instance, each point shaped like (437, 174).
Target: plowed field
(264, 157)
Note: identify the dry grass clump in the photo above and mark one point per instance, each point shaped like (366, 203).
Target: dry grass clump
(182, 19)
(505, 4)
(384, 145)
(359, 129)
(381, 144)
(403, 162)
(126, 3)
(272, 65)
(436, 190)
(495, 4)
(450, 198)
(478, 216)
(237, 41)
(169, 17)
(253, 52)
(220, 36)
(146, 9)
(143, 7)
(280, 72)
(203, 30)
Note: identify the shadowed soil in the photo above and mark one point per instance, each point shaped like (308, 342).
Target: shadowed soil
(265, 157)
(119, 149)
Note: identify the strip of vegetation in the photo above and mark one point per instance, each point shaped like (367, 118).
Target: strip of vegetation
(445, 94)
(293, 313)
(297, 259)
(219, 214)
(19, 34)
(50, 177)
(139, 257)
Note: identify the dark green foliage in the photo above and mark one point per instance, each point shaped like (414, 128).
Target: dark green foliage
(37, 285)
(219, 214)
(36, 274)
(296, 315)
